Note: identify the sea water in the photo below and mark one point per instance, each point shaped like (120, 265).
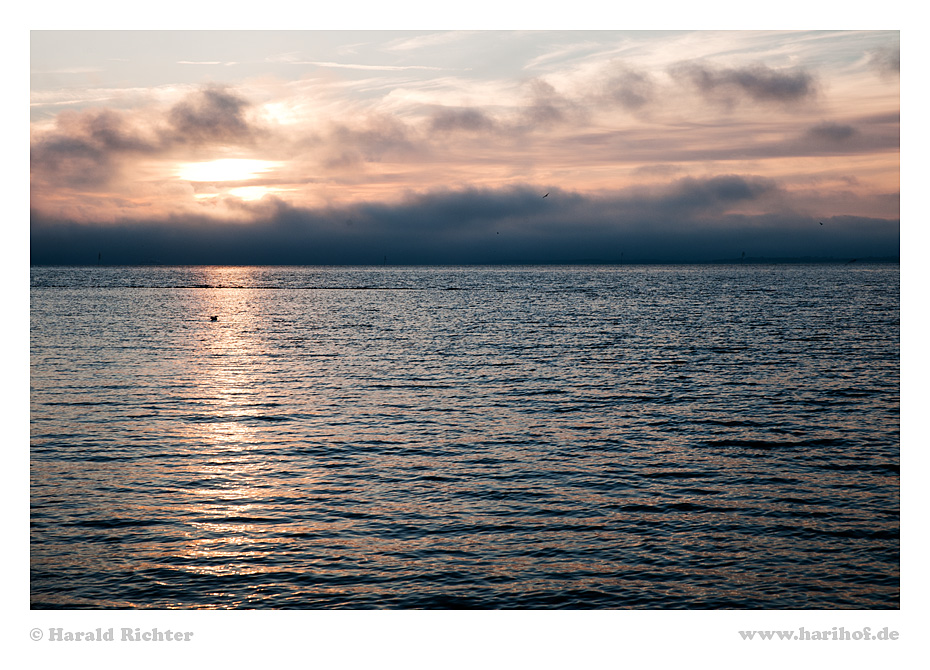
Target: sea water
(641, 436)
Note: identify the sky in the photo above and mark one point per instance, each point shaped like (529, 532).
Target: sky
(371, 146)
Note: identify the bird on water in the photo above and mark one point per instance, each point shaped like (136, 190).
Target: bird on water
(213, 318)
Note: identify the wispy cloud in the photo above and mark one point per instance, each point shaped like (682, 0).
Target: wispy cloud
(361, 66)
(886, 60)
(205, 62)
(558, 55)
(429, 41)
(76, 100)
(70, 70)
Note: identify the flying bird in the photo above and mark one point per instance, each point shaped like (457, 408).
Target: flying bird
(820, 222)
(546, 196)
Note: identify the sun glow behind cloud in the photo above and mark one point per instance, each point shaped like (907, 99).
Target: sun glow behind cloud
(225, 169)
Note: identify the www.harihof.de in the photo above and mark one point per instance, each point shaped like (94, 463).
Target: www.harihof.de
(126, 635)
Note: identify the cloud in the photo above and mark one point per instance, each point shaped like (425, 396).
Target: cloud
(688, 220)
(755, 83)
(862, 136)
(469, 119)
(84, 147)
(87, 148)
(547, 107)
(887, 61)
(831, 132)
(113, 132)
(71, 161)
(370, 140)
(716, 193)
(211, 115)
(630, 88)
(606, 116)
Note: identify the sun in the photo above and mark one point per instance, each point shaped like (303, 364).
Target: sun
(225, 169)
(252, 192)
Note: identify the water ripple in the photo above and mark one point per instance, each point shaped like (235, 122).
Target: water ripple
(679, 437)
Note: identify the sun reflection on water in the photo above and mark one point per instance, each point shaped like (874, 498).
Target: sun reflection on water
(224, 506)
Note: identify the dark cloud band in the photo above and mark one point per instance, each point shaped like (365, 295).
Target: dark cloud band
(688, 221)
